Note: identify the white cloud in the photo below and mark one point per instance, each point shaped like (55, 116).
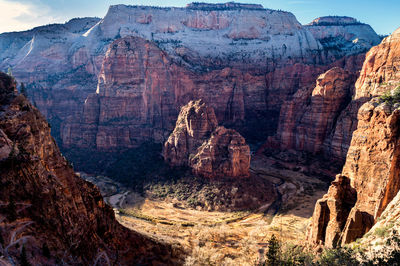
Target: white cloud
(17, 16)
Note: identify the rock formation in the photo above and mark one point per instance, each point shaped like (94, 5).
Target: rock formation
(210, 151)
(308, 120)
(343, 35)
(47, 211)
(331, 212)
(224, 154)
(313, 120)
(194, 125)
(230, 55)
(372, 162)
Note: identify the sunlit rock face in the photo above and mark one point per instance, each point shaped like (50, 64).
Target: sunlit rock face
(224, 154)
(210, 151)
(242, 36)
(194, 125)
(373, 157)
(321, 119)
(147, 62)
(308, 120)
(343, 34)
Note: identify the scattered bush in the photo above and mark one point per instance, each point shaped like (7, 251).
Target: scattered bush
(381, 231)
(390, 97)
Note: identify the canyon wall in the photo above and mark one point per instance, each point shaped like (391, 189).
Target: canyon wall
(372, 161)
(49, 213)
(115, 83)
(320, 119)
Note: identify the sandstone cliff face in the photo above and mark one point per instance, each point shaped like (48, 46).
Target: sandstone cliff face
(308, 120)
(211, 36)
(232, 56)
(140, 99)
(210, 151)
(194, 125)
(318, 122)
(224, 154)
(372, 160)
(331, 212)
(44, 207)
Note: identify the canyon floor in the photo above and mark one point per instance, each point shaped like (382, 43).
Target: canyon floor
(222, 236)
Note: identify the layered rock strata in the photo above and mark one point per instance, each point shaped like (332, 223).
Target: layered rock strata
(210, 151)
(309, 119)
(231, 55)
(47, 213)
(372, 160)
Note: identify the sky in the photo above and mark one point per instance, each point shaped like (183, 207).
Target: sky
(17, 15)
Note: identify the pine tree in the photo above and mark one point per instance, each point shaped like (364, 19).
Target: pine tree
(23, 90)
(273, 253)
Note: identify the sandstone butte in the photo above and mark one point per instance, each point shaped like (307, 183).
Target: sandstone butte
(370, 178)
(208, 149)
(169, 56)
(44, 204)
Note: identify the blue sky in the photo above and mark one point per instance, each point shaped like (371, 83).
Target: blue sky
(382, 15)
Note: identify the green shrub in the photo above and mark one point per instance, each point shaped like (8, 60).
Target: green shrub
(381, 231)
(338, 257)
(391, 98)
(274, 250)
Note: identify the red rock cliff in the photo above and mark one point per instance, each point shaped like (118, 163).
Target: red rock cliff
(45, 208)
(373, 157)
(309, 119)
(209, 150)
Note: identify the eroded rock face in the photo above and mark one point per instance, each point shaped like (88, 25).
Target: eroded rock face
(225, 153)
(198, 58)
(373, 157)
(331, 212)
(43, 202)
(195, 123)
(199, 143)
(309, 119)
(380, 72)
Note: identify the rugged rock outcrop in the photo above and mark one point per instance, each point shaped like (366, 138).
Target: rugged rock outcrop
(46, 211)
(331, 212)
(308, 120)
(210, 151)
(224, 154)
(372, 160)
(195, 123)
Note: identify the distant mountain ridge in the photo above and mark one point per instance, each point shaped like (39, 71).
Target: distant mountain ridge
(233, 56)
